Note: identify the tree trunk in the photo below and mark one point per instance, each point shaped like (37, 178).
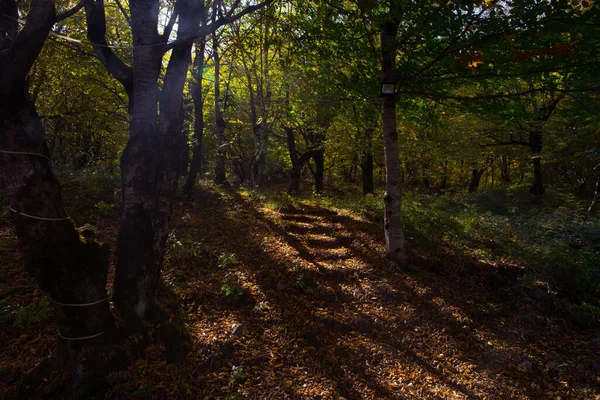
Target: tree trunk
(173, 138)
(220, 173)
(476, 175)
(137, 273)
(505, 169)
(70, 268)
(298, 162)
(393, 226)
(196, 164)
(537, 189)
(444, 181)
(596, 198)
(366, 162)
(366, 166)
(318, 156)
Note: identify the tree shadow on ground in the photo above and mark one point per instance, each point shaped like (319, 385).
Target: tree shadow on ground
(322, 314)
(430, 333)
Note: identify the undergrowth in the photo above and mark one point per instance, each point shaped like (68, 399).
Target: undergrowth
(554, 246)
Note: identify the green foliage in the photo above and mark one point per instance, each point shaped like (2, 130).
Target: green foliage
(237, 374)
(306, 285)
(555, 244)
(232, 289)
(227, 260)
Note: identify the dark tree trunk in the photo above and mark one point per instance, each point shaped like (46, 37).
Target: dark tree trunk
(70, 267)
(366, 167)
(393, 225)
(298, 161)
(505, 169)
(366, 162)
(544, 111)
(294, 185)
(537, 188)
(425, 178)
(319, 157)
(196, 164)
(444, 181)
(220, 173)
(596, 198)
(476, 175)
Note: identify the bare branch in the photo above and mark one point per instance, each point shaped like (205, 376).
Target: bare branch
(70, 12)
(171, 23)
(124, 12)
(509, 143)
(233, 7)
(213, 26)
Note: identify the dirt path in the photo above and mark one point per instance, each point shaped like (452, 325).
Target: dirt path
(299, 302)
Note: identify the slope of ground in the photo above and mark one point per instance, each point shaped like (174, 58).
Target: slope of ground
(297, 301)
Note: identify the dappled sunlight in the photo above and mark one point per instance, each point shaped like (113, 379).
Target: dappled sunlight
(299, 301)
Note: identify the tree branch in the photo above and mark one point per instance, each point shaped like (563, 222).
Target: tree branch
(212, 27)
(124, 12)
(96, 32)
(171, 23)
(510, 142)
(28, 43)
(70, 12)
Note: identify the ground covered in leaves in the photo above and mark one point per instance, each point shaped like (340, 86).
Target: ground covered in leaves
(290, 298)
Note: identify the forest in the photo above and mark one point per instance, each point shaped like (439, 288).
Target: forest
(299, 199)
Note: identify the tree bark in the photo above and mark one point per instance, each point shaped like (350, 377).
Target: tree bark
(70, 268)
(366, 164)
(137, 275)
(476, 175)
(318, 156)
(393, 226)
(220, 173)
(298, 161)
(196, 164)
(444, 180)
(173, 138)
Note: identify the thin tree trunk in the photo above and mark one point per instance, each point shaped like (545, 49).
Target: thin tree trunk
(318, 156)
(596, 198)
(505, 169)
(366, 167)
(196, 164)
(444, 181)
(393, 226)
(298, 161)
(537, 188)
(220, 173)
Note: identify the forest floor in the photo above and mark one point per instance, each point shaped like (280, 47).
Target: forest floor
(294, 299)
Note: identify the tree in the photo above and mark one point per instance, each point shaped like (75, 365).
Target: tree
(151, 162)
(393, 227)
(70, 266)
(198, 98)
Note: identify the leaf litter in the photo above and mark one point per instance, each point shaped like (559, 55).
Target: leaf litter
(300, 303)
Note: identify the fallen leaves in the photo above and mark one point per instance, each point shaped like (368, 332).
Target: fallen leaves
(323, 316)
